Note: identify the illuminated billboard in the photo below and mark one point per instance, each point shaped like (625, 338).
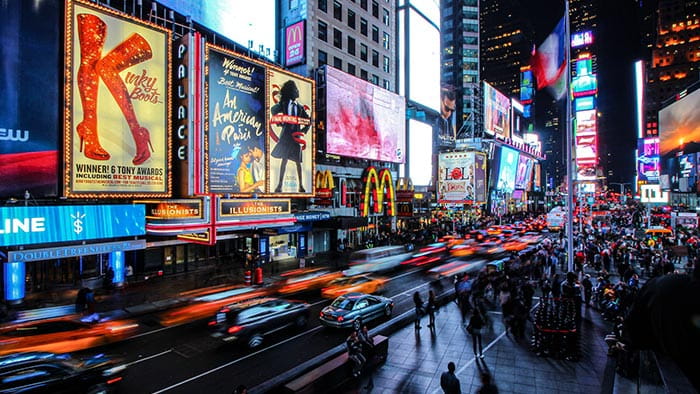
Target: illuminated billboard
(117, 129)
(508, 167)
(523, 172)
(235, 100)
(363, 120)
(648, 162)
(290, 134)
(582, 38)
(584, 103)
(461, 177)
(29, 102)
(295, 40)
(679, 129)
(496, 112)
(420, 164)
(585, 82)
(527, 86)
(586, 139)
(419, 75)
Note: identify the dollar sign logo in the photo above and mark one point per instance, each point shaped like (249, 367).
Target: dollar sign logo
(78, 222)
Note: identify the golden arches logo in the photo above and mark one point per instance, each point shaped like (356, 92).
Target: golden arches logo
(383, 188)
(324, 180)
(294, 33)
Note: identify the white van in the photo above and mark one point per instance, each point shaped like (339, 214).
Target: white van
(382, 258)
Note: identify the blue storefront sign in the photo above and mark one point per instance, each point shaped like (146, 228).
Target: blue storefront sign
(69, 223)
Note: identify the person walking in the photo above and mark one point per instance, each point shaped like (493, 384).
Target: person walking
(448, 380)
(476, 323)
(418, 302)
(432, 307)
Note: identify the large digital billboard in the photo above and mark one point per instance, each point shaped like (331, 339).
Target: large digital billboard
(523, 172)
(585, 82)
(581, 38)
(496, 112)
(679, 129)
(527, 86)
(508, 167)
(290, 132)
(295, 43)
(69, 223)
(461, 177)
(363, 120)
(419, 75)
(235, 97)
(420, 164)
(648, 163)
(29, 98)
(586, 140)
(117, 135)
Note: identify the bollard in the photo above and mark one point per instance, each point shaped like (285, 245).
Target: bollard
(247, 278)
(258, 276)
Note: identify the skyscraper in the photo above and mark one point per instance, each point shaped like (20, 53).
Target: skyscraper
(460, 61)
(675, 56)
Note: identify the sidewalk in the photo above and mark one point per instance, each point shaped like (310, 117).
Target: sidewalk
(416, 360)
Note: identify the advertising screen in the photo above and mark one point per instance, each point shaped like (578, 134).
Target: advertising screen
(648, 163)
(582, 38)
(363, 120)
(496, 112)
(679, 129)
(518, 121)
(686, 165)
(522, 174)
(461, 177)
(295, 39)
(508, 166)
(29, 98)
(420, 165)
(527, 89)
(584, 103)
(117, 136)
(424, 62)
(69, 223)
(585, 82)
(236, 123)
(290, 132)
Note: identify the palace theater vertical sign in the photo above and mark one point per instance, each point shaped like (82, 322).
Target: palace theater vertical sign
(117, 116)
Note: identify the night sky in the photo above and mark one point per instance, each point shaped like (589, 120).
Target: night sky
(618, 40)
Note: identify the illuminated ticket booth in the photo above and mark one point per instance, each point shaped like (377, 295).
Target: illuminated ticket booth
(47, 246)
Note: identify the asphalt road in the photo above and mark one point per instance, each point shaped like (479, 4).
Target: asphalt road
(186, 359)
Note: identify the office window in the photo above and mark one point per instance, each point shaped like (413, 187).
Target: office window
(385, 16)
(363, 52)
(363, 26)
(337, 63)
(363, 74)
(337, 39)
(337, 10)
(322, 31)
(385, 41)
(375, 58)
(375, 79)
(363, 4)
(375, 9)
(351, 69)
(351, 45)
(375, 33)
(323, 5)
(351, 19)
(322, 58)
(387, 84)
(386, 64)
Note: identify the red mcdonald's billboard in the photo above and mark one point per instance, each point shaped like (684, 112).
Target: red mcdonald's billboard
(295, 38)
(383, 188)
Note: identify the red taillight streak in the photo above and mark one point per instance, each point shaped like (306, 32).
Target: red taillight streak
(234, 329)
(340, 318)
(114, 380)
(212, 323)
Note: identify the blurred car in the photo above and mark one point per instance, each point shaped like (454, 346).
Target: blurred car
(355, 309)
(58, 373)
(62, 334)
(457, 267)
(515, 245)
(427, 255)
(353, 284)
(464, 250)
(249, 322)
(204, 303)
(305, 279)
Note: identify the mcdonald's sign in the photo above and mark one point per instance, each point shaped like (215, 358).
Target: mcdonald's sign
(294, 41)
(324, 187)
(404, 190)
(383, 188)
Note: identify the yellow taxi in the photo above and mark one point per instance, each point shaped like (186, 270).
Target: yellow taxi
(305, 279)
(353, 284)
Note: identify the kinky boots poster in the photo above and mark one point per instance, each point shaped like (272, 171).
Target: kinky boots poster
(117, 140)
(235, 97)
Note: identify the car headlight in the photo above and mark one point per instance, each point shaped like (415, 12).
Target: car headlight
(113, 370)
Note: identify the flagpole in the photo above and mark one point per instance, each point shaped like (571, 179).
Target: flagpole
(569, 159)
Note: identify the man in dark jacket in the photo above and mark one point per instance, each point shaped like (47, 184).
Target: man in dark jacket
(448, 380)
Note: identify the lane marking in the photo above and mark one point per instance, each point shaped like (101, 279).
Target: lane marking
(143, 334)
(205, 373)
(149, 357)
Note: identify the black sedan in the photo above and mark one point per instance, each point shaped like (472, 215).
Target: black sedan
(355, 309)
(58, 373)
(248, 322)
